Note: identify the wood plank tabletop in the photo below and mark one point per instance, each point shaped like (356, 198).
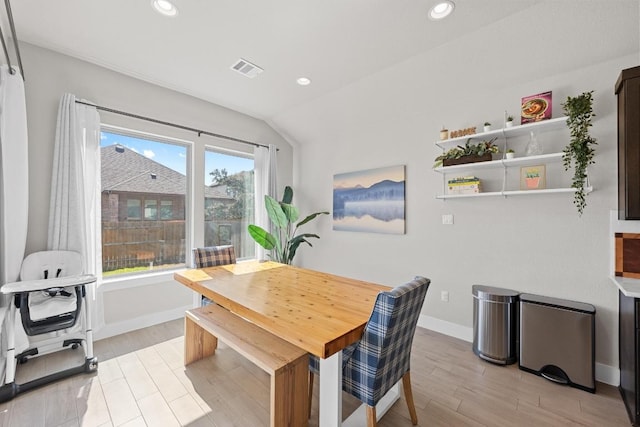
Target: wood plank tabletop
(319, 312)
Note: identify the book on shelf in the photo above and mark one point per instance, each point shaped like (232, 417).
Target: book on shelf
(535, 108)
(464, 185)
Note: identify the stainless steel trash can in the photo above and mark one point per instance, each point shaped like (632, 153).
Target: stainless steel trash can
(495, 324)
(557, 340)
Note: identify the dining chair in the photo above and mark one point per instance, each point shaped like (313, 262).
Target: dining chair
(211, 256)
(381, 358)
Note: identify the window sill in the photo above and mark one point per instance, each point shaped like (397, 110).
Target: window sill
(134, 281)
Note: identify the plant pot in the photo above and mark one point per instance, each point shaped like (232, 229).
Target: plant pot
(509, 124)
(487, 128)
(533, 182)
(467, 159)
(509, 155)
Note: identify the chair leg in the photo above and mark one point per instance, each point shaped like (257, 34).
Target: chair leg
(408, 396)
(371, 416)
(310, 391)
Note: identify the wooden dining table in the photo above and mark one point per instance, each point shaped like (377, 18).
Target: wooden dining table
(319, 312)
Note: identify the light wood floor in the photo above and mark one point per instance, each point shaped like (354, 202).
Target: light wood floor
(141, 381)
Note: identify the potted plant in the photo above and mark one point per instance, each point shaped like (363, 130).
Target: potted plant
(509, 121)
(532, 179)
(510, 154)
(580, 150)
(284, 243)
(469, 153)
(487, 126)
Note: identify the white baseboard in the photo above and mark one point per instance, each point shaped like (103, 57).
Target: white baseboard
(112, 329)
(607, 374)
(447, 328)
(604, 373)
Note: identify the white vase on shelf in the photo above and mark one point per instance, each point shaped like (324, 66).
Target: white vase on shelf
(509, 124)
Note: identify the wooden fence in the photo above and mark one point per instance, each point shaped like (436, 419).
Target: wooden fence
(129, 244)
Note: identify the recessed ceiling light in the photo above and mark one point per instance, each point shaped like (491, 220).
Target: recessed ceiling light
(303, 81)
(164, 7)
(441, 10)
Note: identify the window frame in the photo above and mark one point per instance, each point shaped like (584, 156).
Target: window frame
(228, 152)
(194, 201)
(131, 280)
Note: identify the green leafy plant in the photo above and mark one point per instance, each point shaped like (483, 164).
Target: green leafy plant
(468, 149)
(487, 124)
(510, 118)
(284, 243)
(580, 151)
(510, 150)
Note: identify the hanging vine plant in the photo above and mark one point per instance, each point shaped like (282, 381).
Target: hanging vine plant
(580, 151)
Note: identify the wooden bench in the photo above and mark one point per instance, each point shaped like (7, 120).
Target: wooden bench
(287, 364)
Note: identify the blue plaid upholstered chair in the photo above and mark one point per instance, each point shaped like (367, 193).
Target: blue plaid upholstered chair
(381, 357)
(212, 256)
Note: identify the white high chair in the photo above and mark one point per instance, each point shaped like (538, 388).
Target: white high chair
(47, 314)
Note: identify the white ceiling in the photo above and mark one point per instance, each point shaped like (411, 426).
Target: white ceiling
(333, 42)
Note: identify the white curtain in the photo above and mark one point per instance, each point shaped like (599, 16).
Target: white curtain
(74, 210)
(265, 166)
(14, 190)
(14, 175)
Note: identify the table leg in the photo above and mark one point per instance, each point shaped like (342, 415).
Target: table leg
(330, 406)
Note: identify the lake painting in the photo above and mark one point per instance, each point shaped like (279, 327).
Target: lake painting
(370, 201)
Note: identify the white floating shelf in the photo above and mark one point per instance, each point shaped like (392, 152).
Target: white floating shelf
(520, 130)
(502, 163)
(512, 193)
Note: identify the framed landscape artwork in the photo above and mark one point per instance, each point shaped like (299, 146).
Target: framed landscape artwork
(371, 201)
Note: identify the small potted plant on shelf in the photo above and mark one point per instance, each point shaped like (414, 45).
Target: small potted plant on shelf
(509, 154)
(509, 121)
(487, 126)
(469, 153)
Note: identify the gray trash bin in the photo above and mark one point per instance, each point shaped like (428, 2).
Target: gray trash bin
(495, 324)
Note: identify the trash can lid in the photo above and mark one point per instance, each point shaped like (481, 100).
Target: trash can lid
(558, 303)
(490, 293)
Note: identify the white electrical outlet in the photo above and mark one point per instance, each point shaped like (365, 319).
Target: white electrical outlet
(444, 296)
(447, 219)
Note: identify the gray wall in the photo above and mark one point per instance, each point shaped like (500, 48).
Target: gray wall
(534, 244)
(48, 76)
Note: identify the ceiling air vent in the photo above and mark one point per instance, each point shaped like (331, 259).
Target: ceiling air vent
(246, 68)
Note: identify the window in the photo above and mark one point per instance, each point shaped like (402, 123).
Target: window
(133, 209)
(144, 186)
(229, 201)
(150, 210)
(166, 209)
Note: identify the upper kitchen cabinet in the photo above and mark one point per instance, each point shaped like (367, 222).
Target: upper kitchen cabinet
(628, 92)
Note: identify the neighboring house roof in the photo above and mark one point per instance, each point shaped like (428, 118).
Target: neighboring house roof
(124, 170)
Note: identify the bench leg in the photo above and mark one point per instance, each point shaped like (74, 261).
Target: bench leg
(198, 343)
(289, 400)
